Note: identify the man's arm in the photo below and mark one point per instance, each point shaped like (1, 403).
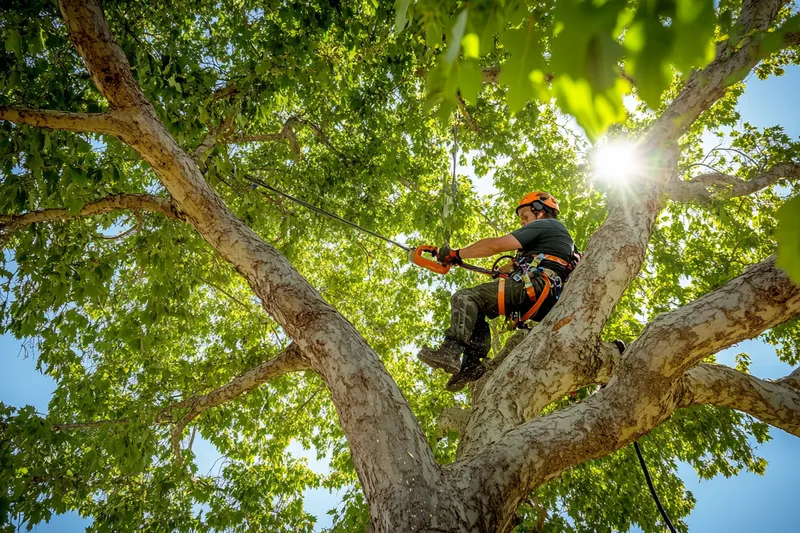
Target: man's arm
(490, 247)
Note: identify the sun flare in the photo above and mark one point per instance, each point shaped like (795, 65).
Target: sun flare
(616, 162)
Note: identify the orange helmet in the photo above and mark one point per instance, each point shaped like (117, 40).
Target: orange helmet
(537, 201)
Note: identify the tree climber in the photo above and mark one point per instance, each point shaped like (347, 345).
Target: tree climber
(544, 258)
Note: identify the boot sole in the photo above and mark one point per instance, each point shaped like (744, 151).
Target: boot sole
(436, 363)
(458, 381)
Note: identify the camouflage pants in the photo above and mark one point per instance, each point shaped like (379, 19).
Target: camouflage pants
(469, 309)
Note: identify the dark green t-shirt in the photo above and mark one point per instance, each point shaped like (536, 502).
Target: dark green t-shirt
(546, 236)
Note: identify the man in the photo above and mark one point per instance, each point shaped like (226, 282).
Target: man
(543, 261)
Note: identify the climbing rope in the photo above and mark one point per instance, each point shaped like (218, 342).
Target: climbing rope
(652, 488)
(449, 206)
(621, 347)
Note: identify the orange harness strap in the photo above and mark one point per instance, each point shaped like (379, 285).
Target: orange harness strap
(539, 302)
(547, 257)
(501, 297)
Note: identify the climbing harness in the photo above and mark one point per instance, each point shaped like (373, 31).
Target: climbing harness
(525, 267)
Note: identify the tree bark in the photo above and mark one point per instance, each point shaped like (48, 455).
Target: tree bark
(392, 458)
(507, 449)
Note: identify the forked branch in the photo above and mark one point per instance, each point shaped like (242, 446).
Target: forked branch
(290, 360)
(705, 187)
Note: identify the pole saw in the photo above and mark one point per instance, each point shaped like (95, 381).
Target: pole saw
(415, 254)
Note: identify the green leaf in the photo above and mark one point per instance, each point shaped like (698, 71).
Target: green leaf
(470, 80)
(401, 14)
(584, 46)
(788, 237)
(455, 36)
(525, 57)
(694, 33)
(593, 111)
(471, 45)
(14, 43)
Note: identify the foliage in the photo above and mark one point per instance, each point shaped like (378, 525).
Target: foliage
(571, 50)
(127, 326)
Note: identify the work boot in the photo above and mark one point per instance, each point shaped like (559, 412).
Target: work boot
(447, 356)
(471, 370)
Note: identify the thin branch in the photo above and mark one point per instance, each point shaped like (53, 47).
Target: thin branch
(775, 403)
(468, 120)
(702, 164)
(707, 186)
(290, 360)
(735, 150)
(287, 133)
(106, 123)
(225, 92)
(95, 424)
(135, 202)
(213, 137)
(133, 229)
(228, 295)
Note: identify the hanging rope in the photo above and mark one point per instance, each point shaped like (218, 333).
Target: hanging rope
(661, 510)
(621, 347)
(449, 206)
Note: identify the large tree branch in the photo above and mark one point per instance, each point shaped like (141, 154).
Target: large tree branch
(645, 389)
(290, 360)
(760, 298)
(367, 400)
(774, 402)
(105, 123)
(706, 86)
(134, 202)
(705, 187)
(107, 65)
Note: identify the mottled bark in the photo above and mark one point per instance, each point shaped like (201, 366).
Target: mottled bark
(645, 388)
(772, 402)
(389, 449)
(106, 123)
(507, 449)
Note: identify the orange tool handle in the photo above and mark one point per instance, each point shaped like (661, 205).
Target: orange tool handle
(434, 266)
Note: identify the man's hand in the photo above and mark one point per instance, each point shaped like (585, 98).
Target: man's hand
(446, 256)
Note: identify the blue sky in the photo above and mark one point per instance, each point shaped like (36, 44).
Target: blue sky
(742, 504)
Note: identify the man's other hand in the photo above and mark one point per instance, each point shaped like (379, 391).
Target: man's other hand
(446, 256)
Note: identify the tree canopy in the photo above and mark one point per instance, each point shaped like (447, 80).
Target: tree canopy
(152, 272)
